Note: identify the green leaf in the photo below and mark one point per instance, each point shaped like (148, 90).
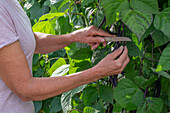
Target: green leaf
(89, 110)
(117, 108)
(131, 72)
(128, 95)
(63, 26)
(147, 33)
(86, 2)
(112, 9)
(165, 83)
(74, 111)
(39, 72)
(67, 97)
(164, 62)
(55, 105)
(51, 16)
(148, 6)
(162, 73)
(106, 93)
(37, 10)
(63, 3)
(44, 27)
(35, 58)
(133, 49)
(81, 54)
(151, 105)
(138, 22)
(159, 38)
(38, 106)
(162, 22)
(90, 95)
(56, 65)
(83, 65)
(144, 83)
(61, 71)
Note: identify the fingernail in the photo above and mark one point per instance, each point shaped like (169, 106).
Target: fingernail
(121, 47)
(102, 40)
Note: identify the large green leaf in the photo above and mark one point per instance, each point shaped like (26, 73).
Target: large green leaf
(138, 22)
(162, 73)
(162, 22)
(55, 105)
(112, 8)
(81, 54)
(90, 110)
(56, 65)
(164, 62)
(86, 2)
(61, 71)
(38, 106)
(51, 16)
(128, 95)
(37, 10)
(144, 83)
(106, 93)
(67, 97)
(44, 27)
(148, 32)
(117, 108)
(148, 6)
(133, 49)
(63, 26)
(90, 95)
(151, 105)
(39, 72)
(159, 38)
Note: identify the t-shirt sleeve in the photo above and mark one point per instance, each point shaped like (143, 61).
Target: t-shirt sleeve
(8, 33)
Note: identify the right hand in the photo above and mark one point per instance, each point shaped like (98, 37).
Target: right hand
(112, 66)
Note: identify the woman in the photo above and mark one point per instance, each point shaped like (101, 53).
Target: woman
(18, 44)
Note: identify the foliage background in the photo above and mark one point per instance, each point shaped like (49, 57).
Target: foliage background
(143, 87)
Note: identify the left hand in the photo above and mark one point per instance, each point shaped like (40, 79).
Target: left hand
(91, 36)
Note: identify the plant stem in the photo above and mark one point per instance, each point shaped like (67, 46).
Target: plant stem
(152, 53)
(141, 64)
(151, 59)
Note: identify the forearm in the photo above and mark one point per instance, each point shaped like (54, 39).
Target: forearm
(43, 88)
(47, 43)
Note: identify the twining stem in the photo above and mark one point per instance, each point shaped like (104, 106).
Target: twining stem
(141, 64)
(151, 59)
(146, 92)
(159, 50)
(152, 53)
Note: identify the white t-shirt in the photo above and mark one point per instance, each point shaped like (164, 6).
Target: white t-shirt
(15, 25)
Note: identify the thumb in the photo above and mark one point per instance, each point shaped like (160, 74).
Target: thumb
(95, 40)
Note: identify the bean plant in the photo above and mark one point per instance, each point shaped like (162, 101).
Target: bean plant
(143, 86)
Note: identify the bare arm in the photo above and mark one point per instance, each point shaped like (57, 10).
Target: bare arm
(46, 43)
(14, 71)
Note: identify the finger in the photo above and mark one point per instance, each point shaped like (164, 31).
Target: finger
(104, 44)
(116, 53)
(123, 56)
(100, 32)
(90, 44)
(95, 40)
(95, 46)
